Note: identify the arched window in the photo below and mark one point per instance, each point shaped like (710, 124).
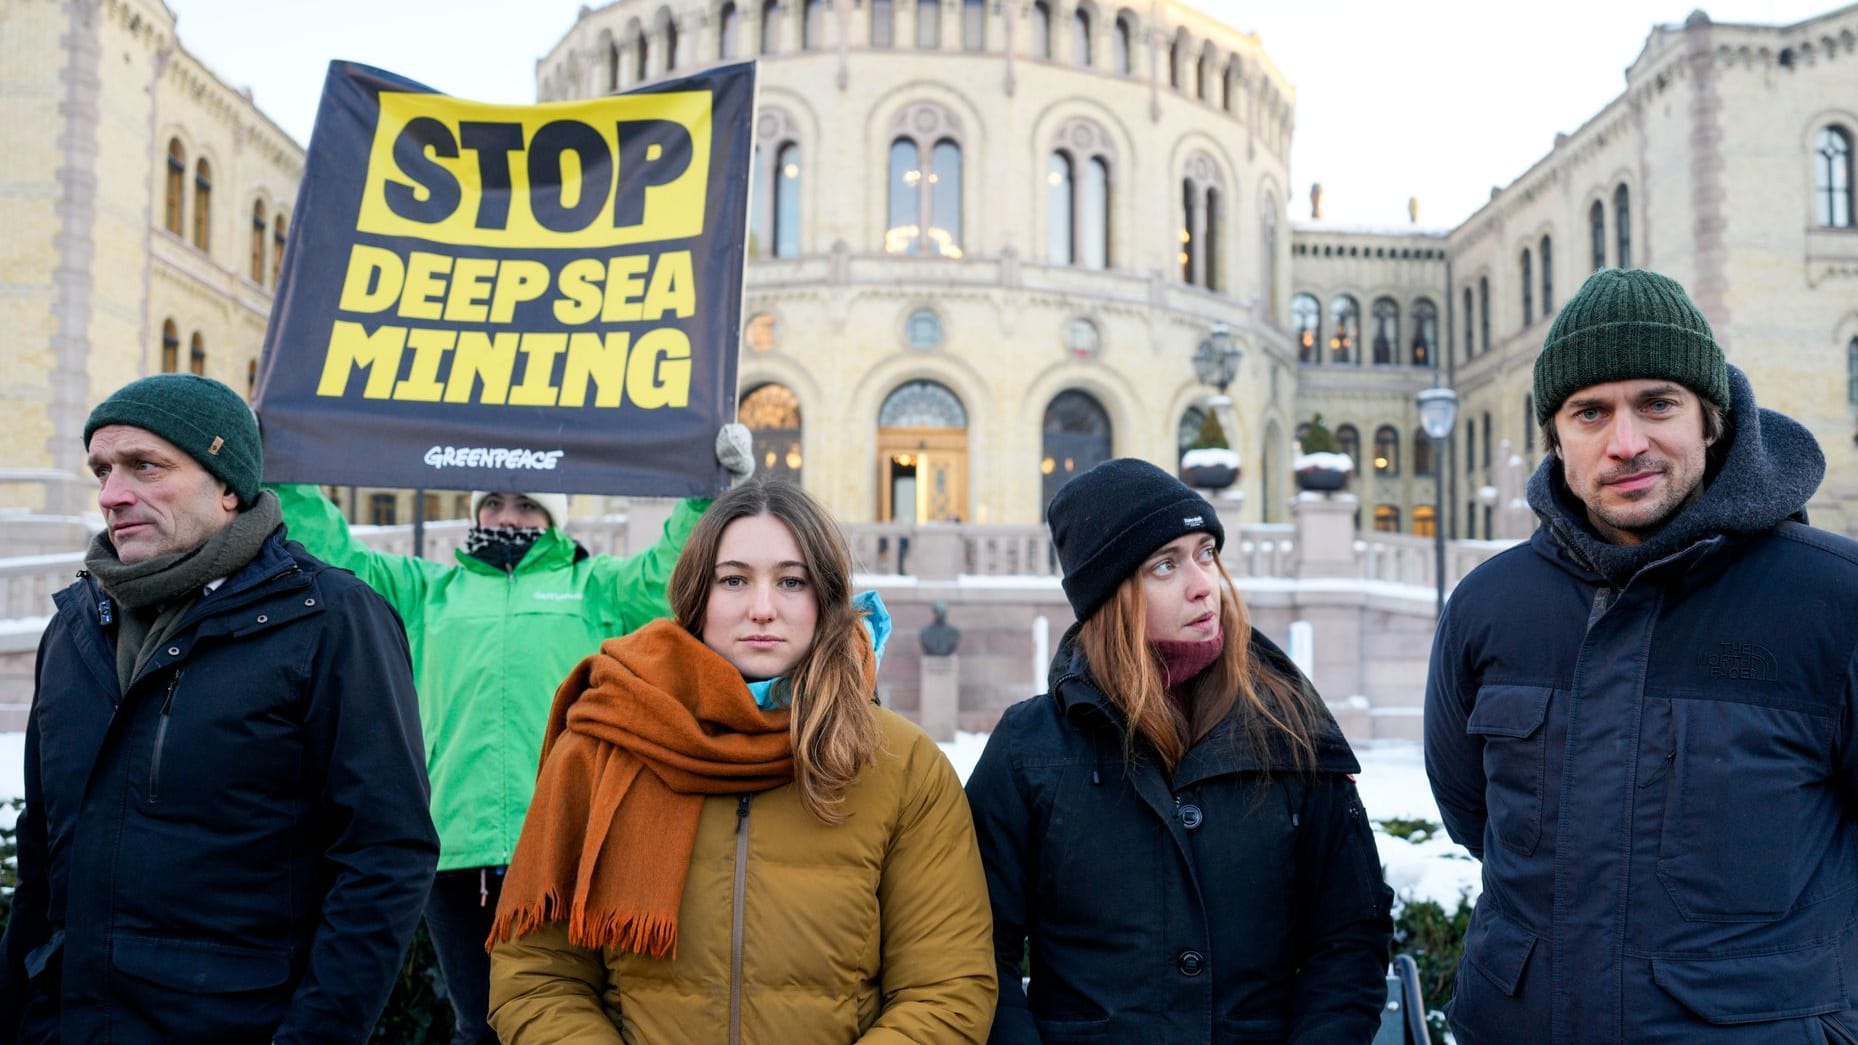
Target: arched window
(612, 63)
(1306, 319)
(922, 404)
(196, 355)
(1529, 424)
(1231, 84)
(1344, 329)
(277, 247)
(1489, 460)
(1080, 36)
(813, 24)
(1596, 224)
(922, 328)
(1060, 199)
(726, 28)
(1386, 519)
(1215, 238)
(170, 347)
(1203, 221)
(1387, 450)
(1527, 269)
(924, 200)
(1190, 220)
(670, 43)
(1177, 62)
(1125, 34)
(1622, 219)
(928, 24)
(772, 413)
(883, 23)
(1203, 74)
(203, 204)
(1422, 453)
(261, 227)
(1425, 521)
(1093, 214)
(176, 186)
(1832, 177)
(1425, 348)
(787, 201)
(1483, 313)
(1470, 333)
(770, 26)
(1470, 445)
(641, 57)
(974, 24)
(1386, 331)
(1548, 278)
(1076, 437)
(1348, 441)
(1041, 29)
(1851, 371)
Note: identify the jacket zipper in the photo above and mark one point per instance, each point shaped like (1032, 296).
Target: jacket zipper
(735, 919)
(161, 738)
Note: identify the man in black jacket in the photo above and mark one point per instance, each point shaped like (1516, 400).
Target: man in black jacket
(225, 836)
(1644, 721)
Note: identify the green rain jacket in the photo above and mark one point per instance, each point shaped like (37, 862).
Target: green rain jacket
(489, 649)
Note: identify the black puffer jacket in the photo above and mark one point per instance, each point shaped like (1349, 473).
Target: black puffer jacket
(236, 849)
(1203, 909)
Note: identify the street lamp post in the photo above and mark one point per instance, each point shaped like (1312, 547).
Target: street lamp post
(1438, 413)
(1216, 361)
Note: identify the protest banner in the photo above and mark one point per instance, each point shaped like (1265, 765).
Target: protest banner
(543, 298)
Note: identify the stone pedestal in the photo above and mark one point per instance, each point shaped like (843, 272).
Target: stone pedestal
(1325, 535)
(940, 706)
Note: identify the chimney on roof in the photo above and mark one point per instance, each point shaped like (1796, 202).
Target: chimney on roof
(1316, 201)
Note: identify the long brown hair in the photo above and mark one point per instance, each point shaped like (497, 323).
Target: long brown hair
(833, 728)
(1125, 667)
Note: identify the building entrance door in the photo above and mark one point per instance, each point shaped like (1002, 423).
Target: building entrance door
(922, 474)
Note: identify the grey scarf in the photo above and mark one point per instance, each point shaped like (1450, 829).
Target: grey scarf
(154, 594)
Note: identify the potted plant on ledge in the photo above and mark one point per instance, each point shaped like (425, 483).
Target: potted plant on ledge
(1322, 466)
(1209, 464)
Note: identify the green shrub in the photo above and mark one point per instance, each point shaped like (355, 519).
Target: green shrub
(1318, 439)
(1429, 934)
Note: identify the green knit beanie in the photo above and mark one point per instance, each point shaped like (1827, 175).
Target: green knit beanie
(1628, 325)
(207, 420)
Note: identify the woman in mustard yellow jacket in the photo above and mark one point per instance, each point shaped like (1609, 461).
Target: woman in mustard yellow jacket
(730, 841)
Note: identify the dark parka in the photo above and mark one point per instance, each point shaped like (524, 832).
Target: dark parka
(236, 849)
(1652, 749)
(1226, 905)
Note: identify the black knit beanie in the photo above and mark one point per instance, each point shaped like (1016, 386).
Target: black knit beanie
(1628, 325)
(1107, 520)
(207, 420)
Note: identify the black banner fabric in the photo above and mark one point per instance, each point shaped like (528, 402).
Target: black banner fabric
(487, 297)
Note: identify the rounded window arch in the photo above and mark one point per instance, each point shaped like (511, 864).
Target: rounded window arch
(1041, 29)
(728, 24)
(1306, 321)
(1344, 329)
(772, 412)
(170, 347)
(1425, 347)
(1387, 451)
(1386, 332)
(196, 355)
(1596, 229)
(1348, 441)
(778, 174)
(203, 203)
(1386, 519)
(1075, 437)
(922, 328)
(922, 404)
(261, 228)
(924, 197)
(1123, 44)
(1832, 177)
(1078, 205)
(1422, 453)
(1622, 224)
(176, 186)
(1203, 219)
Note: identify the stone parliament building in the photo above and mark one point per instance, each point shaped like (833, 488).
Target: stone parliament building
(986, 241)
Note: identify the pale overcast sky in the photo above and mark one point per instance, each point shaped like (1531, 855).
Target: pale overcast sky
(1439, 99)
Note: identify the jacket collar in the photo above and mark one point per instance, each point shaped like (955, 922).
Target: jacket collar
(553, 550)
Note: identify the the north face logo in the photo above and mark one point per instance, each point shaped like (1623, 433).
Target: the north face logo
(1741, 660)
(1193, 520)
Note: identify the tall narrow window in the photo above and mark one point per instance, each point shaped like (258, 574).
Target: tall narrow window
(1387, 450)
(770, 26)
(612, 65)
(973, 25)
(726, 28)
(1596, 224)
(1125, 34)
(1041, 29)
(1306, 316)
(177, 185)
(1425, 348)
(1488, 459)
(1344, 329)
(1528, 282)
(1529, 425)
(1483, 313)
(1215, 238)
(641, 57)
(261, 228)
(196, 355)
(1386, 331)
(787, 202)
(1177, 62)
(1470, 446)
(1622, 219)
(277, 247)
(928, 24)
(170, 347)
(1190, 219)
(1093, 215)
(1832, 177)
(883, 23)
(1348, 440)
(1548, 278)
(945, 200)
(905, 235)
(203, 204)
(813, 24)
(1080, 36)
(1422, 453)
(1203, 74)
(1851, 371)
(1058, 194)
(1470, 333)
(670, 44)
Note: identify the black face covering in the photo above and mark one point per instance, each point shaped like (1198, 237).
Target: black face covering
(501, 546)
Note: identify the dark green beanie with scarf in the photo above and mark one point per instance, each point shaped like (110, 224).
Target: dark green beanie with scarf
(207, 420)
(1628, 325)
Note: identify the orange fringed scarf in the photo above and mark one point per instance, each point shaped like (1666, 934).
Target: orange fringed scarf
(639, 733)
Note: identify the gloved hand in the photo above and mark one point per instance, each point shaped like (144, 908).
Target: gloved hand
(735, 451)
